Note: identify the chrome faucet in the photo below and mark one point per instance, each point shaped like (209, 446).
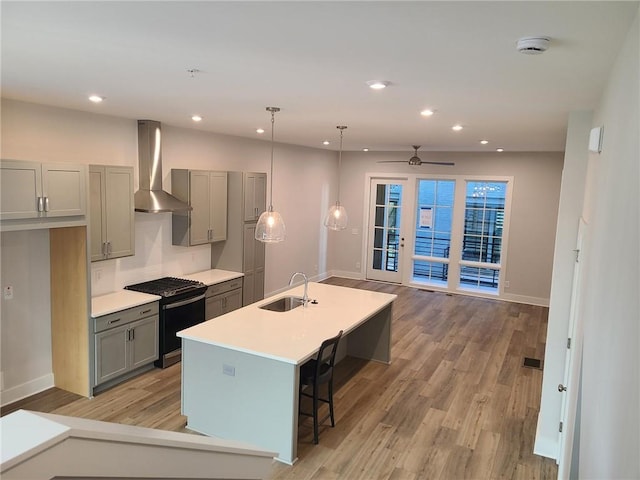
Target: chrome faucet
(305, 296)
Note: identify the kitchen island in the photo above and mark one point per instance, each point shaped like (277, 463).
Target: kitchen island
(240, 371)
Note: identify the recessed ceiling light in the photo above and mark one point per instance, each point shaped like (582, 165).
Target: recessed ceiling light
(456, 128)
(484, 142)
(260, 130)
(427, 113)
(365, 149)
(499, 149)
(378, 84)
(326, 142)
(196, 118)
(96, 98)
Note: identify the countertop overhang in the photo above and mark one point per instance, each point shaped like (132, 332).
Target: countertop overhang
(291, 336)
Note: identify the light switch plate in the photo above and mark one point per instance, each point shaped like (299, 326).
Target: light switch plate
(228, 370)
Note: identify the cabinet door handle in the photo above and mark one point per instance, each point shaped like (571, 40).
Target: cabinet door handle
(109, 250)
(104, 249)
(115, 320)
(46, 204)
(145, 311)
(133, 334)
(40, 204)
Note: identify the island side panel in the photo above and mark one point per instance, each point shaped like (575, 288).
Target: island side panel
(372, 339)
(239, 396)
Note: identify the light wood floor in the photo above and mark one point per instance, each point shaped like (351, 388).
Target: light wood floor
(456, 402)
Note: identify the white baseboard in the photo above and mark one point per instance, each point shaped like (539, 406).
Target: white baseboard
(24, 390)
(346, 274)
(546, 447)
(539, 302)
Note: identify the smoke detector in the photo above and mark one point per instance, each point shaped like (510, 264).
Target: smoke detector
(532, 45)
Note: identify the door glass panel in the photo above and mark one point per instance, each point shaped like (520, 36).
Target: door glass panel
(482, 237)
(385, 231)
(434, 217)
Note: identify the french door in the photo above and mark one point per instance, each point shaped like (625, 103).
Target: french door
(385, 235)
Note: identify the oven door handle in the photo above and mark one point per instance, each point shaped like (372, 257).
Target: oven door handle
(184, 302)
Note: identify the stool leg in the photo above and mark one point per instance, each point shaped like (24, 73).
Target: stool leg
(315, 414)
(333, 423)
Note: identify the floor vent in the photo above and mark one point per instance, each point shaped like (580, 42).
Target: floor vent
(532, 363)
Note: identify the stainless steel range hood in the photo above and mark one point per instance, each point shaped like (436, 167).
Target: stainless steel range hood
(150, 197)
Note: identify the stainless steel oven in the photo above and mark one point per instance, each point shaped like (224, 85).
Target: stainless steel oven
(182, 304)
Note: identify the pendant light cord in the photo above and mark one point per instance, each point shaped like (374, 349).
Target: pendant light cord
(273, 111)
(273, 121)
(341, 128)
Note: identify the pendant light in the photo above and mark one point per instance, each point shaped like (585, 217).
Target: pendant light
(336, 218)
(270, 227)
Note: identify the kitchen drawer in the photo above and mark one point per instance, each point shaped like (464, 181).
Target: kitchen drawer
(123, 317)
(224, 287)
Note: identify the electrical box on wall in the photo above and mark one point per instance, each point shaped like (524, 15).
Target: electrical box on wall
(595, 139)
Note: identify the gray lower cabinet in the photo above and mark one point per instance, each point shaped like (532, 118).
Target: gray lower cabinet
(125, 341)
(223, 298)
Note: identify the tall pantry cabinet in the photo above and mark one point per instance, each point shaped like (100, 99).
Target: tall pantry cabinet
(241, 252)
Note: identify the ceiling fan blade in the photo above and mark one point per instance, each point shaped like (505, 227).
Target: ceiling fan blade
(439, 163)
(391, 161)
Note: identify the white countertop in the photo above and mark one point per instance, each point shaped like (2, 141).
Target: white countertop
(291, 336)
(211, 277)
(123, 299)
(117, 301)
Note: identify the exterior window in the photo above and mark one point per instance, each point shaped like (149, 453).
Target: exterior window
(482, 237)
(434, 217)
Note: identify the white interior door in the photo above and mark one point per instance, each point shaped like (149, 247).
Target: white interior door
(569, 389)
(385, 235)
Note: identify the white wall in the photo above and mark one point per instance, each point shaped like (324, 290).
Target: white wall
(25, 326)
(536, 190)
(570, 210)
(610, 417)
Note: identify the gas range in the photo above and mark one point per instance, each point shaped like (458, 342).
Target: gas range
(167, 286)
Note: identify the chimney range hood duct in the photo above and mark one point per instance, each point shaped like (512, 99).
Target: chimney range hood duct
(150, 197)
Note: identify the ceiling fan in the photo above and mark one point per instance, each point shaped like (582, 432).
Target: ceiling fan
(415, 160)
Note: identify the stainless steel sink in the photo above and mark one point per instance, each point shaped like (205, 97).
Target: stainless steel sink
(283, 304)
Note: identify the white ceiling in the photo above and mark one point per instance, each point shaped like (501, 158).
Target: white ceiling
(312, 60)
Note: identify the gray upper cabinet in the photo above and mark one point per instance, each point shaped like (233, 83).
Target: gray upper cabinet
(111, 210)
(33, 190)
(242, 252)
(206, 192)
(255, 195)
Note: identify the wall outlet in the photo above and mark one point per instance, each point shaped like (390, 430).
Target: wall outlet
(8, 292)
(228, 370)
(358, 265)
(354, 231)
(506, 284)
(97, 275)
